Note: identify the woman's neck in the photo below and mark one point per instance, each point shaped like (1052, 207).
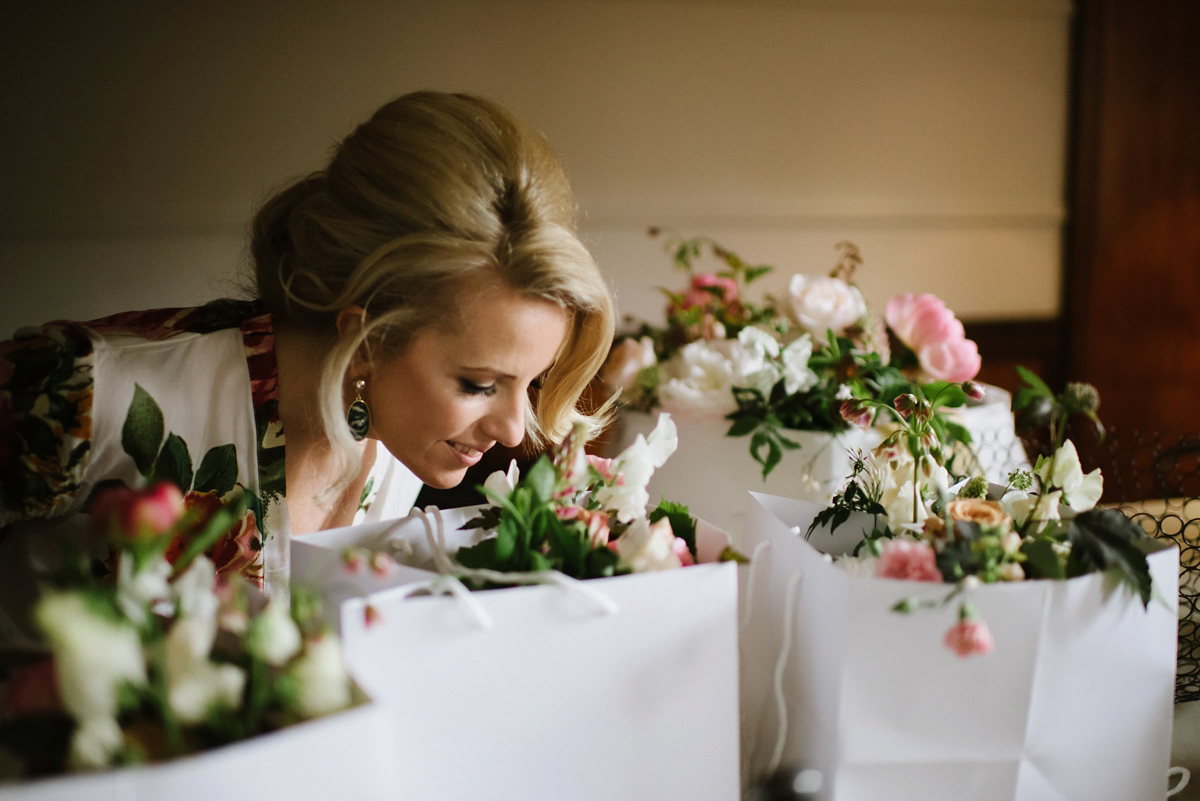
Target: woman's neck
(310, 465)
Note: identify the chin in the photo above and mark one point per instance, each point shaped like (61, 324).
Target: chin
(444, 480)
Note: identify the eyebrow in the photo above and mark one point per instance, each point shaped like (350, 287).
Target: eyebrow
(489, 371)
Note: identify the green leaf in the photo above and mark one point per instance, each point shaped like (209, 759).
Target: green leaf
(142, 432)
(742, 426)
(683, 525)
(1042, 559)
(1031, 378)
(218, 470)
(541, 479)
(174, 463)
(1104, 539)
(757, 272)
(731, 554)
(489, 518)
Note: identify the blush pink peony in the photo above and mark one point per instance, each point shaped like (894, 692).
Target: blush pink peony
(907, 560)
(923, 323)
(956, 360)
(970, 637)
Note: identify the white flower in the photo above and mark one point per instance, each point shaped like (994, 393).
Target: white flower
(93, 657)
(796, 375)
(648, 546)
(1011, 571)
(700, 378)
(844, 392)
(194, 590)
(321, 680)
(857, 566)
(503, 483)
(1080, 492)
(636, 464)
(759, 341)
(94, 743)
(822, 303)
(138, 590)
(274, 636)
(194, 682)
(1011, 542)
(1023, 507)
(627, 360)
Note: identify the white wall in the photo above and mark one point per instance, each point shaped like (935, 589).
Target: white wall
(136, 137)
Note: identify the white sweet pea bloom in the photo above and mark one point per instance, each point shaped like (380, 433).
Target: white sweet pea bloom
(699, 379)
(194, 682)
(646, 546)
(93, 656)
(139, 590)
(844, 392)
(194, 589)
(1023, 507)
(504, 482)
(1080, 492)
(796, 374)
(274, 636)
(627, 497)
(821, 303)
(321, 679)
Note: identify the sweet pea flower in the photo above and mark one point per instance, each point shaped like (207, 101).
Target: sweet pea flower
(138, 590)
(646, 546)
(503, 482)
(823, 303)
(323, 686)
(274, 636)
(907, 560)
(797, 376)
(1063, 470)
(194, 683)
(605, 467)
(628, 497)
(627, 359)
(969, 637)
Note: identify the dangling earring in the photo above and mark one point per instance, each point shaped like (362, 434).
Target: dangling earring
(358, 416)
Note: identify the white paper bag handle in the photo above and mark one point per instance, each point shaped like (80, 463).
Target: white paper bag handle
(449, 585)
(1184, 775)
(753, 571)
(789, 616)
(436, 537)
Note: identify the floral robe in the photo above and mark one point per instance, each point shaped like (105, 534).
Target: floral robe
(187, 395)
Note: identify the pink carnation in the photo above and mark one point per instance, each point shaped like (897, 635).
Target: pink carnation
(968, 637)
(907, 560)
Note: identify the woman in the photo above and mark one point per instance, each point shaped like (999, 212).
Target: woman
(421, 299)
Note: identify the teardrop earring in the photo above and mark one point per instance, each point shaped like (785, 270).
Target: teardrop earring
(358, 416)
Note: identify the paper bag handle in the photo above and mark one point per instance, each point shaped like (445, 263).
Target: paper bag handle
(1184, 775)
(789, 615)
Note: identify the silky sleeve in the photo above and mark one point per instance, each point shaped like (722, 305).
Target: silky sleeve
(46, 386)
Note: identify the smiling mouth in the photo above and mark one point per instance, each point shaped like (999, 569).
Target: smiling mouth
(466, 450)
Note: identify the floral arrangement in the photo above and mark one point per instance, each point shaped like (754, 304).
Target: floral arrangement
(1042, 524)
(788, 363)
(582, 515)
(160, 657)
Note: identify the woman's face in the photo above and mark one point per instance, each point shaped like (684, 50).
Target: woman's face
(451, 395)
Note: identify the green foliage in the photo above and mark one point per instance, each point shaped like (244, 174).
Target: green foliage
(1104, 539)
(142, 433)
(850, 500)
(683, 525)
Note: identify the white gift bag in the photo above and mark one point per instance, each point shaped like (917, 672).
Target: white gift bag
(1075, 701)
(344, 755)
(714, 471)
(614, 688)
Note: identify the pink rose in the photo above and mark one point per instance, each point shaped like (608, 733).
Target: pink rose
(138, 514)
(700, 294)
(968, 637)
(956, 360)
(907, 560)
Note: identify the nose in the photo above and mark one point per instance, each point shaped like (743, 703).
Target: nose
(505, 422)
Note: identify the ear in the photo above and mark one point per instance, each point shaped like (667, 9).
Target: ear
(350, 321)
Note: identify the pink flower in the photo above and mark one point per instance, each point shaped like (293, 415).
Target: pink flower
(605, 467)
(969, 637)
(956, 360)
(681, 550)
(382, 564)
(856, 413)
(923, 323)
(699, 294)
(371, 616)
(138, 514)
(907, 560)
(354, 560)
(974, 391)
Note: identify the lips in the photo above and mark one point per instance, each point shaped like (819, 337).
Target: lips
(466, 454)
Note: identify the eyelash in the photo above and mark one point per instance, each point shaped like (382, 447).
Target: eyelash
(471, 388)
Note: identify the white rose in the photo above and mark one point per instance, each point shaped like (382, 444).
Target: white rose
(700, 378)
(322, 683)
(138, 590)
(93, 654)
(822, 303)
(274, 636)
(648, 546)
(627, 360)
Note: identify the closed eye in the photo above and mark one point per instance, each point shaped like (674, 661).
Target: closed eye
(469, 387)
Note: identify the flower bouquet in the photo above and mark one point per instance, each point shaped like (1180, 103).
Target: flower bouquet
(626, 640)
(1069, 686)
(161, 659)
(778, 372)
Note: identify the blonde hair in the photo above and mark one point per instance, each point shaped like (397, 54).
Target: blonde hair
(434, 194)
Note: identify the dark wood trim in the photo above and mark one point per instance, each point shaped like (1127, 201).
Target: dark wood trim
(1039, 345)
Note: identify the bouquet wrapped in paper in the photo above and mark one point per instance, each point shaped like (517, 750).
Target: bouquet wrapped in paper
(561, 621)
(778, 371)
(157, 660)
(924, 637)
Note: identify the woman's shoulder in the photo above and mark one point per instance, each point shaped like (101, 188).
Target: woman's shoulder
(161, 324)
